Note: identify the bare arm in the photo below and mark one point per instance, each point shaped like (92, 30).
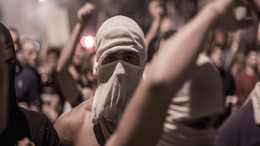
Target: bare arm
(156, 11)
(84, 15)
(169, 69)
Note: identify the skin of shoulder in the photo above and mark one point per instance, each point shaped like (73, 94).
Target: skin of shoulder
(75, 127)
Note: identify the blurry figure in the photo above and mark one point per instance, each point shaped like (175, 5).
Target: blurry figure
(118, 66)
(243, 126)
(16, 38)
(4, 85)
(70, 77)
(246, 80)
(88, 87)
(216, 56)
(154, 46)
(27, 81)
(161, 23)
(32, 126)
(51, 100)
(156, 11)
(228, 81)
(236, 67)
(79, 70)
(17, 46)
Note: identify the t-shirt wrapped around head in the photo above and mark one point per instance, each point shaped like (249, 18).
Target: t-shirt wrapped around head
(116, 81)
(119, 33)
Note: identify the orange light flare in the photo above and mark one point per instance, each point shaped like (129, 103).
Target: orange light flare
(87, 41)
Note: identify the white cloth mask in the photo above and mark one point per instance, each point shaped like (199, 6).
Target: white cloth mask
(118, 81)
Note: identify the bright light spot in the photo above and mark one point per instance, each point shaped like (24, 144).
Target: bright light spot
(37, 46)
(87, 42)
(41, 1)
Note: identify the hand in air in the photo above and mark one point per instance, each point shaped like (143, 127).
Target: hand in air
(227, 20)
(84, 13)
(156, 9)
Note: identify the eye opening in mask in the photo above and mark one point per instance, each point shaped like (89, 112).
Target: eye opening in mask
(126, 56)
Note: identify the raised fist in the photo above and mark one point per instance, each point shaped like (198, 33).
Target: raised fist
(85, 12)
(156, 9)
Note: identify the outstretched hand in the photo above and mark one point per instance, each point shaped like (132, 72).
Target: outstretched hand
(254, 4)
(84, 13)
(227, 20)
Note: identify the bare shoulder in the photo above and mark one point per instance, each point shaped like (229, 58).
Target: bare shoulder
(74, 125)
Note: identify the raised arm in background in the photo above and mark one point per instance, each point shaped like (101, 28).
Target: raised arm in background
(150, 101)
(156, 11)
(67, 82)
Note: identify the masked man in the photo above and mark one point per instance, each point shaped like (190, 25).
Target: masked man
(119, 63)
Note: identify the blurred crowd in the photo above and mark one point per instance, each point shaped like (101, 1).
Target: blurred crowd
(84, 91)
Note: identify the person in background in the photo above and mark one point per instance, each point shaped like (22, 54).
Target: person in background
(248, 77)
(27, 81)
(118, 67)
(17, 46)
(69, 75)
(243, 126)
(216, 56)
(228, 81)
(52, 101)
(23, 126)
(90, 82)
(158, 42)
(16, 38)
(156, 11)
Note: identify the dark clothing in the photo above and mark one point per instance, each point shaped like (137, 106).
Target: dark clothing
(49, 83)
(99, 135)
(27, 86)
(23, 123)
(229, 88)
(239, 129)
(228, 82)
(50, 86)
(33, 125)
